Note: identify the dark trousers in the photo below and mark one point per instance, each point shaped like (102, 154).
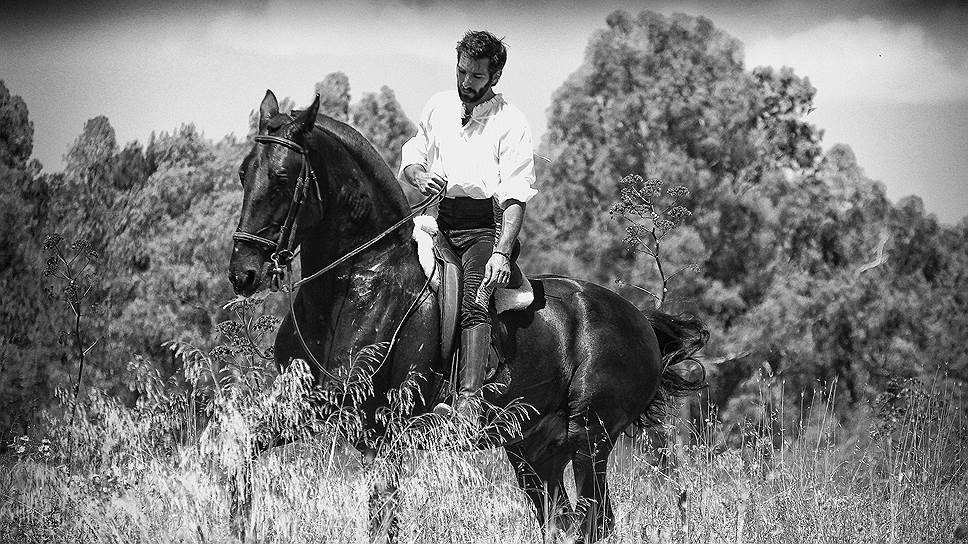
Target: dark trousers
(470, 226)
(474, 247)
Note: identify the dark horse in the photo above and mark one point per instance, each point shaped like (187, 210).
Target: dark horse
(588, 361)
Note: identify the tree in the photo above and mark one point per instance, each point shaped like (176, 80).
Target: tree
(131, 169)
(670, 98)
(83, 204)
(334, 94)
(23, 191)
(29, 368)
(16, 130)
(786, 235)
(174, 233)
(380, 118)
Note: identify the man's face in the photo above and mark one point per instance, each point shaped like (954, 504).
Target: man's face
(473, 78)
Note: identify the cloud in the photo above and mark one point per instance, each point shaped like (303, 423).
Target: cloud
(867, 60)
(338, 29)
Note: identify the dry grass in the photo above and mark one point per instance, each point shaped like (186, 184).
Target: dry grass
(895, 474)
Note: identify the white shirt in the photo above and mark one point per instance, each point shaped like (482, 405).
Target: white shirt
(491, 156)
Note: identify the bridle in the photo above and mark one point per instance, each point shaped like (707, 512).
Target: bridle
(283, 248)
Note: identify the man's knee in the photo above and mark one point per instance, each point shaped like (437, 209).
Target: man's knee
(473, 315)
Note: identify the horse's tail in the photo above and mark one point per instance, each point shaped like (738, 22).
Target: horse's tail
(680, 338)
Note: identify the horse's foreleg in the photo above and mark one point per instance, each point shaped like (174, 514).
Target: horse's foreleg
(383, 502)
(240, 508)
(241, 489)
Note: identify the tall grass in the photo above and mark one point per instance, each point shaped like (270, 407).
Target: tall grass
(896, 472)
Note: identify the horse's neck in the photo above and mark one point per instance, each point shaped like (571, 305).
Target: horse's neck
(362, 302)
(362, 202)
(387, 268)
(391, 258)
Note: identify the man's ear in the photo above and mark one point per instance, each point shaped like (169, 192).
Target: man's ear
(495, 77)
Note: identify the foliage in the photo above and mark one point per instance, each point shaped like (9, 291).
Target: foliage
(28, 367)
(786, 235)
(159, 216)
(17, 134)
(334, 93)
(135, 475)
(75, 274)
(649, 224)
(670, 99)
(84, 196)
(380, 118)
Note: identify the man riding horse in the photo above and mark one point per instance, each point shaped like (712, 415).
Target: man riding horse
(585, 360)
(479, 146)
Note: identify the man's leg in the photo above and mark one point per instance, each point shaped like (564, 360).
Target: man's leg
(475, 248)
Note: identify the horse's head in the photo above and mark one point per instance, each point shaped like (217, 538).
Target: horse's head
(271, 198)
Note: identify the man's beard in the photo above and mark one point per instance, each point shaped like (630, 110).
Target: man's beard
(472, 96)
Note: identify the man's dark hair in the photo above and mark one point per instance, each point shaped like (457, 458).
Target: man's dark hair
(481, 44)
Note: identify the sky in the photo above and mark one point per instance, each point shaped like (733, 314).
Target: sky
(891, 76)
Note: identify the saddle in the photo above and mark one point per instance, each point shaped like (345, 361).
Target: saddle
(442, 266)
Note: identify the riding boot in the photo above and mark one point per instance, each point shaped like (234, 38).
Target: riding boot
(475, 343)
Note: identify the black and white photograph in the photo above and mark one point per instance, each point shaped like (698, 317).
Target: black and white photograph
(477, 271)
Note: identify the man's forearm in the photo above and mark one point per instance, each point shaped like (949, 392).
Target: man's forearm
(510, 227)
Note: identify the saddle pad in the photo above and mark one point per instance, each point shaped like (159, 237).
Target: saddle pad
(425, 228)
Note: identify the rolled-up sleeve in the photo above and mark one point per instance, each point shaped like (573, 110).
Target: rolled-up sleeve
(414, 151)
(515, 164)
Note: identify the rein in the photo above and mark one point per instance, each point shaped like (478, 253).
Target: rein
(417, 210)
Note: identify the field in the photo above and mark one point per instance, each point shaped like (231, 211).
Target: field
(148, 474)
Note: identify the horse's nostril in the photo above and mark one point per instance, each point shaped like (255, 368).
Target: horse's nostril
(243, 281)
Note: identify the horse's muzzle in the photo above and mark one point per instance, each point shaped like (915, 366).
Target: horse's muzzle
(245, 270)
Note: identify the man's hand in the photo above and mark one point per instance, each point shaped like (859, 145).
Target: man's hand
(497, 271)
(423, 181)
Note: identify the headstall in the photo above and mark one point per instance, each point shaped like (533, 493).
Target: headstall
(283, 248)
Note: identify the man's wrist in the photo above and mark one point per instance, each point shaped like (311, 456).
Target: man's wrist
(503, 254)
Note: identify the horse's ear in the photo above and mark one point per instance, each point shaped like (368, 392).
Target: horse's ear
(267, 110)
(308, 118)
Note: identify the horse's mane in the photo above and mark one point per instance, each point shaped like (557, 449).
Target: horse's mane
(368, 158)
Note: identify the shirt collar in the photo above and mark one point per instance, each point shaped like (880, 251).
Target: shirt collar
(486, 108)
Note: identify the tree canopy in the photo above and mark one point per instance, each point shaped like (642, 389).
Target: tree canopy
(807, 269)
